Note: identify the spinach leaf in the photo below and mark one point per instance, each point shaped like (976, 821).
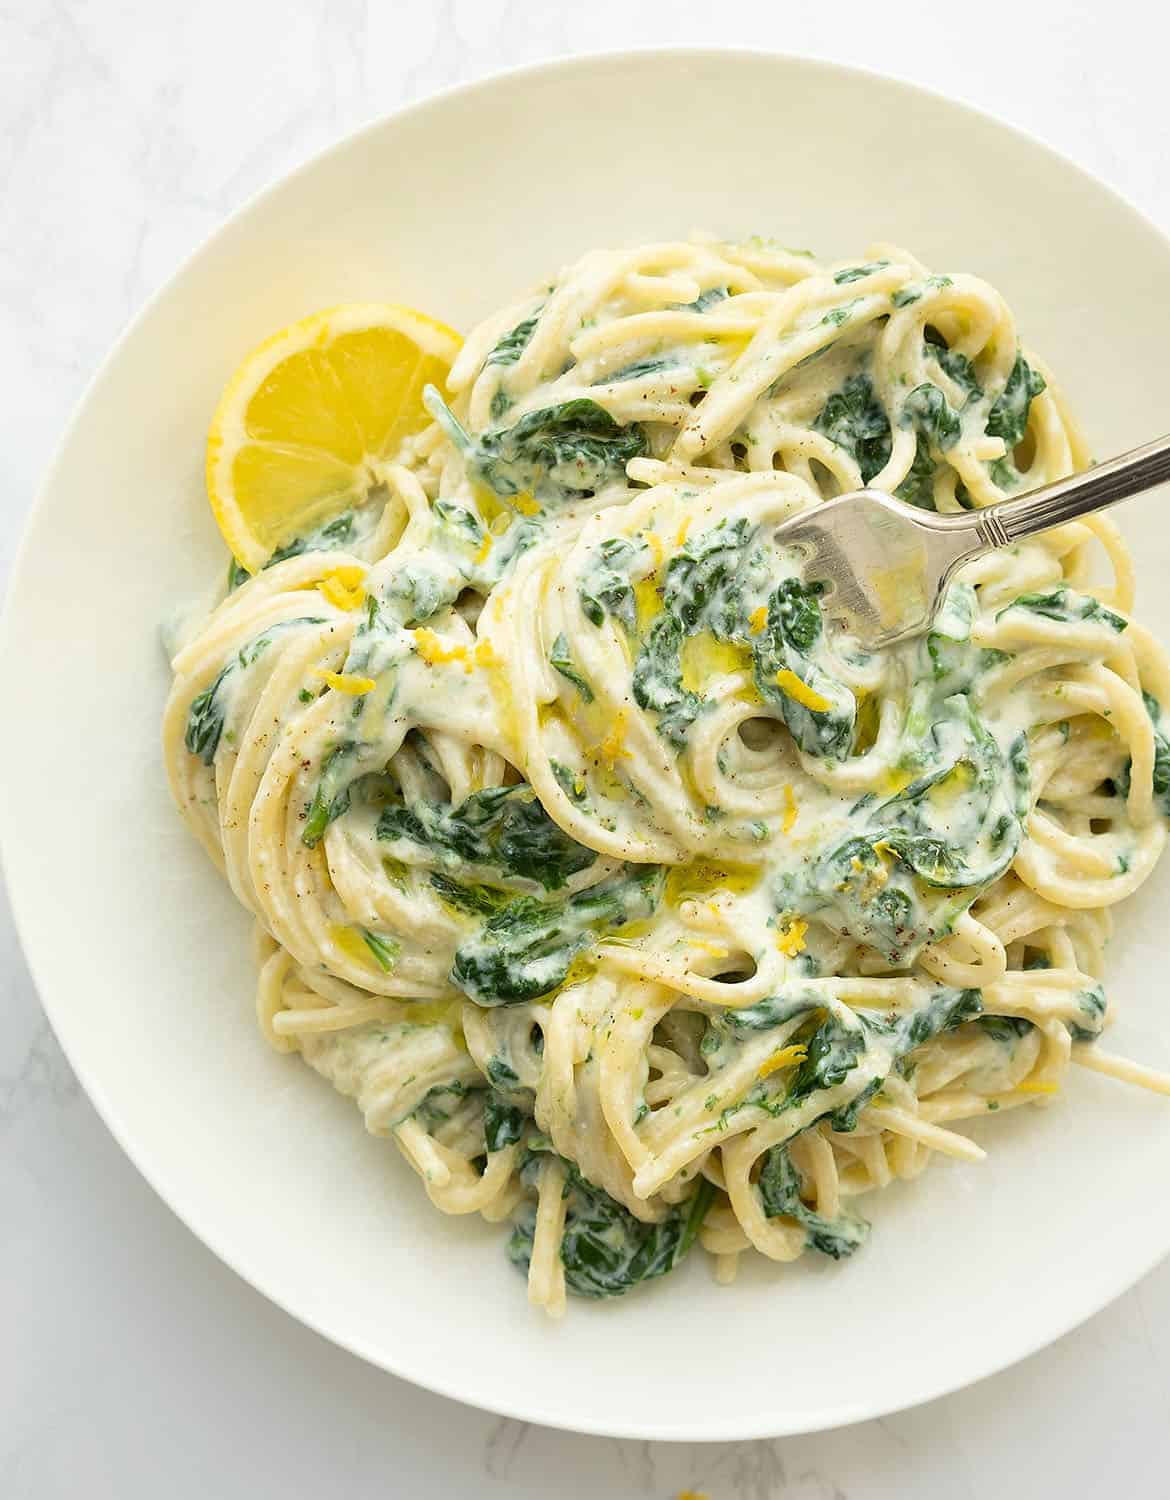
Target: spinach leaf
(339, 532)
(524, 950)
(961, 371)
(562, 661)
(965, 841)
(833, 1052)
(1063, 604)
(605, 1250)
(559, 453)
(205, 718)
(657, 681)
(709, 298)
(942, 1011)
(569, 781)
(851, 886)
(918, 486)
(439, 1103)
(855, 273)
(835, 1047)
(472, 900)
(1091, 1013)
(384, 948)
(779, 1186)
(414, 592)
(855, 420)
(836, 316)
(513, 344)
(922, 855)
(1161, 776)
(332, 796)
(932, 416)
(951, 631)
(504, 826)
(501, 1074)
(457, 519)
(651, 365)
(785, 645)
(1008, 418)
(1004, 1030)
(503, 1121)
(606, 588)
(765, 1014)
(334, 534)
(703, 590)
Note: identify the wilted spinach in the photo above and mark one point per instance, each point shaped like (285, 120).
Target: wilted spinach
(703, 590)
(1068, 607)
(1161, 773)
(524, 950)
(503, 1121)
(513, 344)
(932, 416)
(559, 453)
(955, 828)
(790, 635)
(1008, 418)
(855, 420)
(561, 659)
(605, 1250)
(205, 718)
(606, 587)
(779, 1187)
(504, 827)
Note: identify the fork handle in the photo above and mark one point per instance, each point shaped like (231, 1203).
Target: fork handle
(1104, 485)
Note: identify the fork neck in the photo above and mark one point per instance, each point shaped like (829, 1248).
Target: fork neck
(1078, 495)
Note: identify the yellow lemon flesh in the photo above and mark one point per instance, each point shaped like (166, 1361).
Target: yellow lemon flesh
(308, 414)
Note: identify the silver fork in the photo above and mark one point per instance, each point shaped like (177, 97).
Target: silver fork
(886, 564)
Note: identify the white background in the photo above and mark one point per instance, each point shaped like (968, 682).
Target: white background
(131, 1363)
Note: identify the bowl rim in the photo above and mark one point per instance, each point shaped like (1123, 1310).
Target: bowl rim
(21, 902)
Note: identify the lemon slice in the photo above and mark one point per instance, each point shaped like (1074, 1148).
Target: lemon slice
(304, 419)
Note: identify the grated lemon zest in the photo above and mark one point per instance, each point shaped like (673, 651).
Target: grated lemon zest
(612, 747)
(525, 504)
(654, 541)
(432, 650)
(758, 619)
(1037, 1088)
(345, 682)
(799, 691)
(789, 809)
(481, 554)
(682, 532)
(782, 1059)
(791, 940)
(343, 587)
(712, 948)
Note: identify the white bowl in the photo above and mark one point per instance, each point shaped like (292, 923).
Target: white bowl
(140, 953)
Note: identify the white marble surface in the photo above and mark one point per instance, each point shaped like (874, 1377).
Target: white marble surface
(132, 1364)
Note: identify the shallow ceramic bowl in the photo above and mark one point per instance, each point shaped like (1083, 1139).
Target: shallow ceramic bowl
(141, 956)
